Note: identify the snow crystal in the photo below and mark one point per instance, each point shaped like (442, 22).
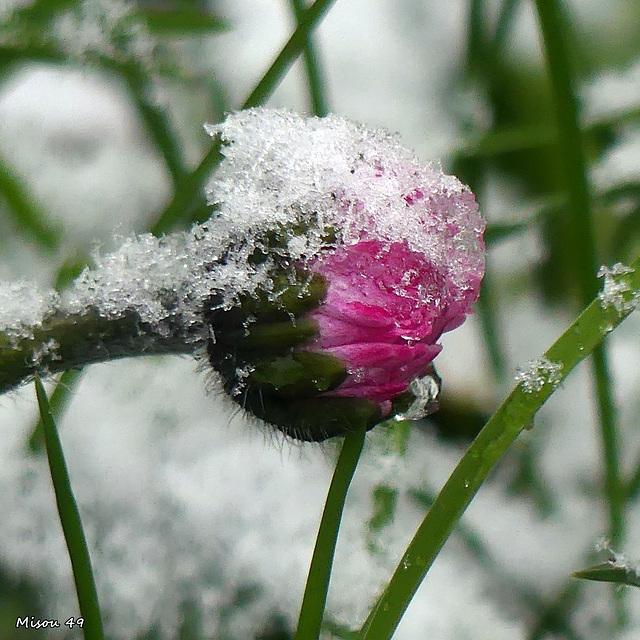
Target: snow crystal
(47, 349)
(343, 181)
(614, 288)
(537, 373)
(22, 308)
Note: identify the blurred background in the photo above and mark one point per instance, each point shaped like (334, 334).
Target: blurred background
(200, 522)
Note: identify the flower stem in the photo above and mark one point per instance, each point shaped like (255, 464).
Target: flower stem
(63, 342)
(315, 594)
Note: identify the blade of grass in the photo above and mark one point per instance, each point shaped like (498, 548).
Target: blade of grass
(315, 593)
(187, 198)
(503, 25)
(57, 404)
(555, 36)
(515, 414)
(476, 36)
(154, 119)
(71, 524)
(610, 572)
(312, 66)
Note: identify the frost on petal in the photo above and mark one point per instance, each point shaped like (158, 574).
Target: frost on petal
(617, 291)
(537, 373)
(345, 183)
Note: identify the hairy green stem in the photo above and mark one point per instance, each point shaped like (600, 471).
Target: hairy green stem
(65, 342)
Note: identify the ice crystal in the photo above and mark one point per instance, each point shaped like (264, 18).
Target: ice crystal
(47, 349)
(22, 308)
(616, 289)
(537, 373)
(426, 391)
(338, 178)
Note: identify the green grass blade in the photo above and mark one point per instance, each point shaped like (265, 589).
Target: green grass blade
(57, 404)
(312, 66)
(504, 23)
(610, 572)
(515, 414)
(71, 524)
(490, 325)
(315, 594)
(155, 120)
(555, 36)
(189, 196)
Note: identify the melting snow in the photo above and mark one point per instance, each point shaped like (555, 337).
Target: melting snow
(614, 288)
(537, 373)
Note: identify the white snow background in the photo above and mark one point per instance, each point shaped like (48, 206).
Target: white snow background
(184, 500)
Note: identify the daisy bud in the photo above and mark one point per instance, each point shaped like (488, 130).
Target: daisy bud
(367, 257)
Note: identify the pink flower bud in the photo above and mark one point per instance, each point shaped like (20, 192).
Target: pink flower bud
(397, 244)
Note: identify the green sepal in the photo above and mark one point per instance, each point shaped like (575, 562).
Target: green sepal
(272, 336)
(285, 301)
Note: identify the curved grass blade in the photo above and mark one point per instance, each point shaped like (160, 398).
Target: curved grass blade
(315, 593)
(319, 105)
(189, 196)
(515, 414)
(70, 520)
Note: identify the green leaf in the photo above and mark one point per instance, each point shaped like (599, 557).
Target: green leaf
(70, 521)
(610, 572)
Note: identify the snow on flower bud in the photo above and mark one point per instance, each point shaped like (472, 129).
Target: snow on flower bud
(359, 257)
